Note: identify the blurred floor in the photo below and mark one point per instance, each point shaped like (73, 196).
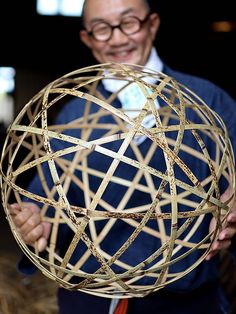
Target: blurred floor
(228, 278)
(21, 294)
(37, 294)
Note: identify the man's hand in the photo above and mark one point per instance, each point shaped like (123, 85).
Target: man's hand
(28, 222)
(228, 231)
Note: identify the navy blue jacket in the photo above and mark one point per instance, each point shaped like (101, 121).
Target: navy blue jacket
(206, 272)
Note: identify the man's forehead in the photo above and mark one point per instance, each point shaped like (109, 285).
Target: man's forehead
(99, 9)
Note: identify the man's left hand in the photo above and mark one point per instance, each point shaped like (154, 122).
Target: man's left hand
(228, 231)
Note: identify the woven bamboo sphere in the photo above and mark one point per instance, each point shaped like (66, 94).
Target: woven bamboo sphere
(103, 144)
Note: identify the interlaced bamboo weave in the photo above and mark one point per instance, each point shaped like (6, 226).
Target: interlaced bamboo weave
(177, 208)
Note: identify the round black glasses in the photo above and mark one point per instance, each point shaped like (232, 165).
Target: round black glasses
(129, 25)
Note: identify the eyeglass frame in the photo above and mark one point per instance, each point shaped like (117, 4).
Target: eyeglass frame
(112, 27)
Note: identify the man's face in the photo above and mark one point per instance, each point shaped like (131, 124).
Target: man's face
(120, 47)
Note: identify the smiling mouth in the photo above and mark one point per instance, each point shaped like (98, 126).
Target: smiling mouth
(121, 54)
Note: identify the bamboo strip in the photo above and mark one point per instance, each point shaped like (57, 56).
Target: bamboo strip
(170, 218)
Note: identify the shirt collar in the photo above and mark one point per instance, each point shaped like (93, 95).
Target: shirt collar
(154, 63)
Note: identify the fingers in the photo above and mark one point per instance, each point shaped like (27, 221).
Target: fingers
(42, 242)
(33, 235)
(228, 231)
(229, 227)
(231, 218)
(224, 237)
(15, 208)
(46, 229)
(223, 240)
(28, 222)
(217, 246)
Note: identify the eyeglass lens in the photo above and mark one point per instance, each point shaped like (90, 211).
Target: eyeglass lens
(130, 25)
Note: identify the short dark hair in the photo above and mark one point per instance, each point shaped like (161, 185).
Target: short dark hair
(147, 2)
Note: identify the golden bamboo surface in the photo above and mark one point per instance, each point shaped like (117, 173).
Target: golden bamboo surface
(28, 148)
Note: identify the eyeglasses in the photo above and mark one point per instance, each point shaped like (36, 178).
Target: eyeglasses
(129, 25)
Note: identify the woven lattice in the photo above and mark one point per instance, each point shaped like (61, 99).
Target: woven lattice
(161, 171)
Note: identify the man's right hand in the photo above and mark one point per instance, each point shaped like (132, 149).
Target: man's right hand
(29, 224)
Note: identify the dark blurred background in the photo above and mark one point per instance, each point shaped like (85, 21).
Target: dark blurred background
(198, 37)
(195, 36)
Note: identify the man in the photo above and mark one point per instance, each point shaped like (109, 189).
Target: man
(124, 31)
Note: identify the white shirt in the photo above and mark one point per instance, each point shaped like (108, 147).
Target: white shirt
(132, 98)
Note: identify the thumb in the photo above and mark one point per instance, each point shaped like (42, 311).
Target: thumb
(43, 240)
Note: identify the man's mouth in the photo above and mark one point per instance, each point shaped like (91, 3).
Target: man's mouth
(121, 54)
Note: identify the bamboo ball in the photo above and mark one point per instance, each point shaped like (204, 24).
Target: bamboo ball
(107, 157)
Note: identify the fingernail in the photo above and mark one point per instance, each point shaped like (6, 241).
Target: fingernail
(42, 244)
(208, 257)
(222, 236)
(214, 247)
(13, 206)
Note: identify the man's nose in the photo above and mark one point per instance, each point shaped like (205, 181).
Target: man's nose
(118, 37)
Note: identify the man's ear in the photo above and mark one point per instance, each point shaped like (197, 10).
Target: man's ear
(85, 38)
(155, 22)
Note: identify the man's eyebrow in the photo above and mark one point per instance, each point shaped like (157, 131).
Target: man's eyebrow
(99, 19)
